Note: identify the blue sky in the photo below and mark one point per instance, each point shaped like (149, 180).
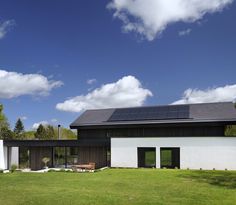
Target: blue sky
(71, 42)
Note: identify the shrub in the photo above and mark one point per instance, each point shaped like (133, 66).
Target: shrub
(13, 167)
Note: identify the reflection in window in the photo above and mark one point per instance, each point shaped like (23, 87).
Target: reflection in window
(59, 157)
(230, 130)
(24, 157)
(72, 155)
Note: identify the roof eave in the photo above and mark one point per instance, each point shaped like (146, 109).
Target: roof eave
(143, 123)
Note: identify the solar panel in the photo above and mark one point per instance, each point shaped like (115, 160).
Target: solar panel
(150, 113)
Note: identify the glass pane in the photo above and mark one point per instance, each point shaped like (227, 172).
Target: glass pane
(59, 157)
(166, 158)
(24, 158)
(150, 158)
(72, 155)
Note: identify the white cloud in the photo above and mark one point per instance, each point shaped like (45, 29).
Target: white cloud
(54, 120)
(13, 84)
(219, 94)
(185, 32)
(128, 91)
(23, 118)
(91, 81)
(36, 125)
(5, 26)
(149, 18)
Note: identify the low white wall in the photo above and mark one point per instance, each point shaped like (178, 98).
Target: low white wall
(5, 156)
(2, 156)
(195, 152)
(14, 156)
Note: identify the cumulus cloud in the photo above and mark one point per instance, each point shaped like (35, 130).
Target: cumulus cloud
(185, 32)
(5, 27)
(13, 84)
(128, 91)
(219, 94)
(91, 81)
(36, 125)
(151, 17)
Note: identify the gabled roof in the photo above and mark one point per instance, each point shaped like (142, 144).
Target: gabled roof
(165, 114)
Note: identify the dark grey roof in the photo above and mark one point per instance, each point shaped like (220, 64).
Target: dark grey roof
(205, 112)
(93, 117)
(56, 143)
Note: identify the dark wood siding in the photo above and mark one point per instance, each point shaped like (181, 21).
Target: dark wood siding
(97, 154)
(92, 133)
(93, 154)
(188, 131)
(36, 156)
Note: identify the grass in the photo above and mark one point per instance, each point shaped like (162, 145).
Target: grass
(120, 186)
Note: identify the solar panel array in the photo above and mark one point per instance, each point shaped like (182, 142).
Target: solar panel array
(150, 113)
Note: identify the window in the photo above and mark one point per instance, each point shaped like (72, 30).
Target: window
(170, 157)
(24, 157)
(146, 157)
(59, 157)
(72, 155)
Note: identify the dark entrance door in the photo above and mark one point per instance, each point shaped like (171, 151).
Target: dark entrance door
(170, 157)
(146, 157)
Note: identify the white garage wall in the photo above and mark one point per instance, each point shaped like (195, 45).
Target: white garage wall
(2, 156)
(14, 156)
(195, 152)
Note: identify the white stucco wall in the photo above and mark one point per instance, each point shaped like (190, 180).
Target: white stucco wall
(2, 156)
(14, 156)
(195, 152)
(5, 156)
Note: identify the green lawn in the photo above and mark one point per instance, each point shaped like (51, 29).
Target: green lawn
(120, 186)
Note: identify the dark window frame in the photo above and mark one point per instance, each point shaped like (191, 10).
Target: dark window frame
(141, 160)
(175, 152)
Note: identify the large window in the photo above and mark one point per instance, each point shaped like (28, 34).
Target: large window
(65, 156)
(146, 157)
(24, 157)
(72, 155)
(170, 157)
(59, 157)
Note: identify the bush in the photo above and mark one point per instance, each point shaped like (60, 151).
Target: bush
(13, 167)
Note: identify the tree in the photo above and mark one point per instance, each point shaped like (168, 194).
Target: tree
(3, 118)
(19, 129)
(40, 132)
(29, 134)
(68, 134)
(6, 134)
(50, 132)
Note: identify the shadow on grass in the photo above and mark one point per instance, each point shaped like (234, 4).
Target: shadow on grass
(217, 178)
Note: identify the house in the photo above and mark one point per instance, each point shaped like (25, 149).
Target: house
(172, 136)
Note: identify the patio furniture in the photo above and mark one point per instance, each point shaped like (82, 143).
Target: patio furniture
(84, 167)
